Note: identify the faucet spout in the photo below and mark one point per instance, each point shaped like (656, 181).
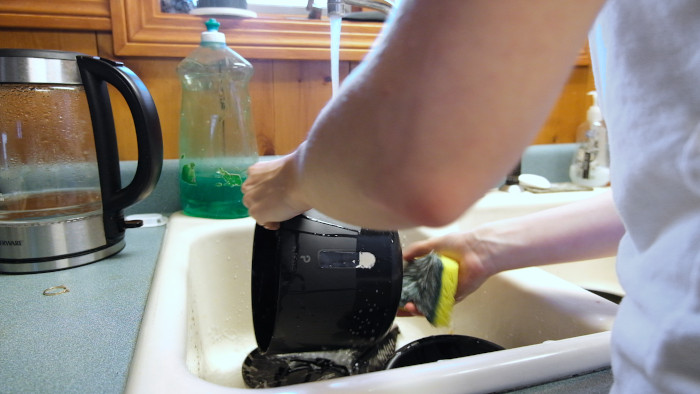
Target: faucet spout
(336, 7)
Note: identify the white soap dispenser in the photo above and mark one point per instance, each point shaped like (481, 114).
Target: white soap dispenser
(590, 165)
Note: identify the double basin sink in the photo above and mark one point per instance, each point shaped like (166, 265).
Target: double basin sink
(197, 328)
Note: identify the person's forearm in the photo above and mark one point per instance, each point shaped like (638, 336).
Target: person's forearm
(578, 231)
(440, 110)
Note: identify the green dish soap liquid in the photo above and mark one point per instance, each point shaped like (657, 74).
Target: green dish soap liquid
(217, 140)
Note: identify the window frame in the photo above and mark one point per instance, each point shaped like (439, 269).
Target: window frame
(279, 7)
(139, 28)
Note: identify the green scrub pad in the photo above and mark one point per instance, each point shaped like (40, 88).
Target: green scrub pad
(430, 282)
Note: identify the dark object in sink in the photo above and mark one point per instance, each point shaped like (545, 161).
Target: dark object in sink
(262, 371)
(608, 296)
(275, 370)
(440, 347)
(376, 357)
(318, 284)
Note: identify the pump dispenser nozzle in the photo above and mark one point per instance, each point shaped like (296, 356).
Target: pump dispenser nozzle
(594, 114)
(213, 34)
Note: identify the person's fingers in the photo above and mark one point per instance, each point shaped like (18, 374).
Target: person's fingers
(271, 226)
(409, 309)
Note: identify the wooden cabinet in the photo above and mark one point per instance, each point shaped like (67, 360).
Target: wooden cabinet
(292, 76)
(52, 14)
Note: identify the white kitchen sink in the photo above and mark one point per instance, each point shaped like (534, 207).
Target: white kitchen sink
(597, 274)
(197, 327)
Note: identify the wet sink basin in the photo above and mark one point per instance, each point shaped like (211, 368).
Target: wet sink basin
(597, 275)
(197, 328)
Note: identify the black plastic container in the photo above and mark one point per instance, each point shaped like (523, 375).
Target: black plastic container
(440, 347)
(318, 284)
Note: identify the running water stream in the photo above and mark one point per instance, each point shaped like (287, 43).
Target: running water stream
(336, 21)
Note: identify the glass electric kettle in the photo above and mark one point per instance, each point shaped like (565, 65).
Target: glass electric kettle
(61, 199)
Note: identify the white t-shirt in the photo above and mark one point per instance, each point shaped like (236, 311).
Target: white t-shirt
(646, 58)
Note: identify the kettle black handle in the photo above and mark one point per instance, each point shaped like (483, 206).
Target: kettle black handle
(95, 72)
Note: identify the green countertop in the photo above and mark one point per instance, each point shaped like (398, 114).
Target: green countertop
(82, 341)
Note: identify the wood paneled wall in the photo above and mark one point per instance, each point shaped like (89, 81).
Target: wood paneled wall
(286, 94)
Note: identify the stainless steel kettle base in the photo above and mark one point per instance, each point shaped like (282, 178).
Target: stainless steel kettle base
(63, 262)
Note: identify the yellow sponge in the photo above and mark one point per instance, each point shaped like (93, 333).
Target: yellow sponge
(442, 316)
(430, 282)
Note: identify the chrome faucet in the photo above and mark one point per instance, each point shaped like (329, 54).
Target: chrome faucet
(337, 7)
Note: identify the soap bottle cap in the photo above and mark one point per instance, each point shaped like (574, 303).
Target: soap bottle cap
(594, 114)
(213, 34)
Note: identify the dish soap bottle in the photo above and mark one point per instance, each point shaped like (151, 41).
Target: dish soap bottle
(590, 165)
(217, 140)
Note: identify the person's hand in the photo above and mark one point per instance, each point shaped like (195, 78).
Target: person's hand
(467, 250)
(271, 192)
